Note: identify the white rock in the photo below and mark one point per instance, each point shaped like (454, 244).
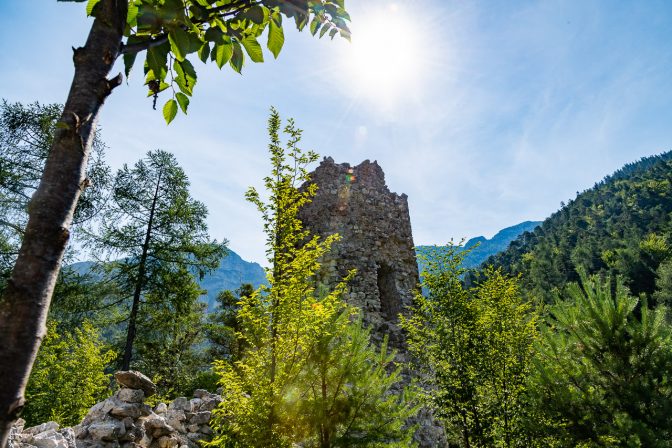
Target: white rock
(42, 428)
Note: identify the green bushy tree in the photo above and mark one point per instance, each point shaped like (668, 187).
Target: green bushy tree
(154, 231)
(281, 391)
(473, 347)
(223, 324)
(603, 369)
(171, 334)
(68, 377)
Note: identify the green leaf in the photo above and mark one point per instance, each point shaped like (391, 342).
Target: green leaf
(90, 5)
(213, 34)
(183, 101)
(237, 58)
(186, 76)
(333, 32)
(276, 38)
(132, 17)
(179, 43)
(222, 53)
(129, 60)
(253, 49)
(204, 52)
(324, 30)
(255, 14)
(170, 110)
(157, 61)
(315, 25)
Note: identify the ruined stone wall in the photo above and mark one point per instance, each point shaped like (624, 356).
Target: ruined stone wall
(376, 240)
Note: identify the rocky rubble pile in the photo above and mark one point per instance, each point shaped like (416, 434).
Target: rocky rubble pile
(125, 421)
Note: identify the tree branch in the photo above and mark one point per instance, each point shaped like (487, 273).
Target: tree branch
(142, 46)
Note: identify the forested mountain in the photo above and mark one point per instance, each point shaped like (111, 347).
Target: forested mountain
(620, 226)
(230, 275)
(480, 248)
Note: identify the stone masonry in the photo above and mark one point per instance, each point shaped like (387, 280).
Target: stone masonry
(376, 240)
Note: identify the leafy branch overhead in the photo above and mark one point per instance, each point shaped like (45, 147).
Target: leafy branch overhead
(219, 31)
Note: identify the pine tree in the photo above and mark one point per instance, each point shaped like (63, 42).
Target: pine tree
(603, 369)
(155, 230)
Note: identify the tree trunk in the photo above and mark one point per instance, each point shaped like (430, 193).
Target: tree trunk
(25, 302)
(139, 284)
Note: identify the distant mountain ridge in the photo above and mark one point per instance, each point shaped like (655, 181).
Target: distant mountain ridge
(482, 248)
(231, 273)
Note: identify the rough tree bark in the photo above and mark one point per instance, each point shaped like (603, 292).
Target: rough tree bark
(25, 302)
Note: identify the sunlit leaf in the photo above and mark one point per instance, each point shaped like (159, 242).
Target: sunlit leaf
(186, 76)
(237, 58)
(253, 49)
(222, 53)
(204, 52)
(276, 37)
(170, 110)
(179, 43)
(90, 5)
(183, 101)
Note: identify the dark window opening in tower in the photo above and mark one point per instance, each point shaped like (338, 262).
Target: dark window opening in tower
(390, 301)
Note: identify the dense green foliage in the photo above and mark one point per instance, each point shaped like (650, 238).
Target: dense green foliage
(620, 226)
(306, 374)
(67, 377)
(474, 348)
(215, 30)
(604, 370)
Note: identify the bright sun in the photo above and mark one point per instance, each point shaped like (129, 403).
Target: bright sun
(385, 59)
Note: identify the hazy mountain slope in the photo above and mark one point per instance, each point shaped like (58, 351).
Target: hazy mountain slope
(482, 248)
(622, 226)
(232, 272)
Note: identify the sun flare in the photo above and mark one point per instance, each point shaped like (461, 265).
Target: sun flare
(385, 59)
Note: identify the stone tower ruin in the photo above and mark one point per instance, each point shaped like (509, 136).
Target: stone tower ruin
(376, 240)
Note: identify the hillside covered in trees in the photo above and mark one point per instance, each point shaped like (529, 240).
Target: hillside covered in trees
(621, 226)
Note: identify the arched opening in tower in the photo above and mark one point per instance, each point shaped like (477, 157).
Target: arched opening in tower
(390, 300)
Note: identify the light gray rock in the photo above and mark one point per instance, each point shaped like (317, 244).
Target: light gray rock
(199, 393)
(161, 408)
(50, 439)
(182, 404)
(131, 395)
(107, 430)
(157, 426)
(132, 379)
(200, 418)
(168, 442)
(41, 428)
(122, 410)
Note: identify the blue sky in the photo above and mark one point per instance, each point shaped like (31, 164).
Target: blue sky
(492, 114)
